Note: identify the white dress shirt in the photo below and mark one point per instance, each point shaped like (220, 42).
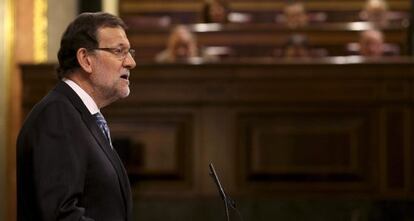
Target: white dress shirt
(85, 97)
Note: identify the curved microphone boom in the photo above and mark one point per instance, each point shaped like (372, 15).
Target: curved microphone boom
(221, 191)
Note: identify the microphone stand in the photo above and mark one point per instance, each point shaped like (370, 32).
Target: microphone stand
(220, 189)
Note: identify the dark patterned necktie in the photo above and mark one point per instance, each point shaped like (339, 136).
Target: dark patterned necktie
(100, 120)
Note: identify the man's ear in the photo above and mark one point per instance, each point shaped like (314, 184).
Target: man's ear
(84, 60)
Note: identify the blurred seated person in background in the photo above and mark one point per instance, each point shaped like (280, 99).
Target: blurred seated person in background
(296, 46)
(215, 11)
(371, 43)
(181, 46)
(376, 12)
(294, 15)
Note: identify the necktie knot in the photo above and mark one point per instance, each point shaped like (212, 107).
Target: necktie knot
(100, 120)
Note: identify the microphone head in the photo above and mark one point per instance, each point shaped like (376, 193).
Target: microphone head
(211, 169)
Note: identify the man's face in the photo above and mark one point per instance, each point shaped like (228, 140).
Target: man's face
(182, 49)
(110, 75)
(372, 45)
(295, 16)
(217, 13)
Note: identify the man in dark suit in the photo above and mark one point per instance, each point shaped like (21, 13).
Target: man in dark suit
(67, 168)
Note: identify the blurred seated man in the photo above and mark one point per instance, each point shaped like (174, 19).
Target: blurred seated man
(181, 46)
(296, 46)
(371, 43)
(295, 15)
(376, 12)
(215, 11)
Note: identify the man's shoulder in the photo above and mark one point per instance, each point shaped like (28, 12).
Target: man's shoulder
(53, 101)
(51, 107)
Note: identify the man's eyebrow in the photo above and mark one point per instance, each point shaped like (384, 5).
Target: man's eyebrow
(123, 45)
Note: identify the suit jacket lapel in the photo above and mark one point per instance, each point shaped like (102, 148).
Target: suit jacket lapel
(112, 156)
(101, 139)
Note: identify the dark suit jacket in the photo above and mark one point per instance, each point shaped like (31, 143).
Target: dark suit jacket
(66, 169)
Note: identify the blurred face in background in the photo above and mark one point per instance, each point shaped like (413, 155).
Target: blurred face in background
(295, 15)
(376, 11)
(217, 12)
(182, 48)
(182, 44)
(371, 43)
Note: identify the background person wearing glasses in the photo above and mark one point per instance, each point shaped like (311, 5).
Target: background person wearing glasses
(67, 168)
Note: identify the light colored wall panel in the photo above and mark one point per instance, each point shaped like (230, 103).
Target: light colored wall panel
(60, 14)
(6, 39)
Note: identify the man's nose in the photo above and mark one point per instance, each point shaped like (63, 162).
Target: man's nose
(129, 62)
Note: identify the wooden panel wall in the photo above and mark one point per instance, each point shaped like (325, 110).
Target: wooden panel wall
(317, 128)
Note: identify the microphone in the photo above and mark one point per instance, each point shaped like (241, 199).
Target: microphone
(227, 201)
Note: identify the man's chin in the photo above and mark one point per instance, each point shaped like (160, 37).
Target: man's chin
(125, 93)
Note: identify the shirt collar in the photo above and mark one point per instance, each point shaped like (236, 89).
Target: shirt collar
(85, 97)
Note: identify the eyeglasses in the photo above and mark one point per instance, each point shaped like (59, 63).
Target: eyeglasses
(120, 53)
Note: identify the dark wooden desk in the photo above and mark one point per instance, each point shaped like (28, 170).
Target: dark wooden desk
(327, 127)
(258, 40)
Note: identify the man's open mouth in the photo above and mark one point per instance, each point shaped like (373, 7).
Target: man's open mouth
(125, 76)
